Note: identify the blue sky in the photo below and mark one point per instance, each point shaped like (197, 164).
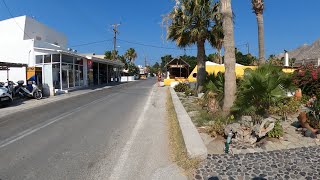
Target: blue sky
(288, 24)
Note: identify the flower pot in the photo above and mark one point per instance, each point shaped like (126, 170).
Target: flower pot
(298, 94)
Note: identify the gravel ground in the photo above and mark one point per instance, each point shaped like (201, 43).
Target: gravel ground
(298, 163)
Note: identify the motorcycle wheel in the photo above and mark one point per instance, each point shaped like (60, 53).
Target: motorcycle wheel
(37, 95)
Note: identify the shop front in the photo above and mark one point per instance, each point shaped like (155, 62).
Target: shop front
(62, 71)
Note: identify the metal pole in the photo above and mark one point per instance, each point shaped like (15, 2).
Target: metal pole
(107, 74)
(60, 71)
(98, 73)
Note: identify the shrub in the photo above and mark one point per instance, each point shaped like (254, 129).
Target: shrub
(189, 92)
(314, 115)
(285, 107)
(203, 118)
(307, 77)
(216, 127)
(181, 87)
(277, 131)
(261, 88)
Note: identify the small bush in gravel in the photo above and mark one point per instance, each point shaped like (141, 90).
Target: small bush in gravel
(182, 87)
(277, 131)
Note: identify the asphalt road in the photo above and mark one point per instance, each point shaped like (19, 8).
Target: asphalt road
(91, 136)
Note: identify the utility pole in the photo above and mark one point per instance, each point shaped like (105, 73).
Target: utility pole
(115, 30)
(248, 48)
(145, 61)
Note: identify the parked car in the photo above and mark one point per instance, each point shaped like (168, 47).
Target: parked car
(5, 96)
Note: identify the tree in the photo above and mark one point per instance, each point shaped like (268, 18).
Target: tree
(164, 60)
(246, 60)
(229, 56)
(191, 22)
(258, 8)
(131, 55)
(191, 60)
(108, 55)
(217, 41)
(214, 58)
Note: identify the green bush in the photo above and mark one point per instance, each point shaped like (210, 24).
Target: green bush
(182, 87)
(189, 92)
(285, 107)
(277, 131)
(261, 88)
(203, 118)
(218, 124)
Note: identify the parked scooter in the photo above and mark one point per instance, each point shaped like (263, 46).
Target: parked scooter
(5, 95)
(24, 91)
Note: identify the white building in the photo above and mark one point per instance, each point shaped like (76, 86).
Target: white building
(51, 64)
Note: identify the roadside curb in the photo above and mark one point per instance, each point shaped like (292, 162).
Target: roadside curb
(193, 142)
(57, 98)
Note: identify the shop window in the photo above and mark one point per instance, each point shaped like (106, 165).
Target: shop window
(47, 58)
(39, 59)
(55, 57)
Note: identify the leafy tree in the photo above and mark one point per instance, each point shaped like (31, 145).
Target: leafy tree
(191, 22)
(131, 55)
(229, 56)
(214, 58)
(191, 60)
(246, 60)
(108, 55)
(164, 60)
(258, 8)
(156, 66)
(133, 69)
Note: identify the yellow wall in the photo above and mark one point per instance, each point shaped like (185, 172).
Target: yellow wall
(214, 69)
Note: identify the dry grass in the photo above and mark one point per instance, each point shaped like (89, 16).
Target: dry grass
(177, 146)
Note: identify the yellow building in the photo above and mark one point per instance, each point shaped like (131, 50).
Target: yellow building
(214, 68)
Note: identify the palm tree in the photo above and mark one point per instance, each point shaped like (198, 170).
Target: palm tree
(218, 35)
(229, 56)
(258, 8)
(108, 55)
(131, 55)
(191, 22)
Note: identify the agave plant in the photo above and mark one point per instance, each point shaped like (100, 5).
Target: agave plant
(214, 91)
(261, 88)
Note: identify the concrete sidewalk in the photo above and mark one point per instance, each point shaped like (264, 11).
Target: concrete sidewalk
(24, 104)
(147, 157)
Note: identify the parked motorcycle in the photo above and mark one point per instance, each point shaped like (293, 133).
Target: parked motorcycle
(24, 91)
(5, 96)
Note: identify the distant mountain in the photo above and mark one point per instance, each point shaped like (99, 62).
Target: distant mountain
(305, 52)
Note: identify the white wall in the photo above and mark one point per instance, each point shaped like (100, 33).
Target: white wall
(40, 32)
(12, 29)
(15, 74)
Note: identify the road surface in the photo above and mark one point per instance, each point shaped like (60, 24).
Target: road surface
(116, 133)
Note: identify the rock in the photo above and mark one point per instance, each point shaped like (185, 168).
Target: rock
(206, 138)
(261, 131)
(200, 95)
(245, 136)
(246, 121)
(318, 136)
(234, 127)
(308, 133)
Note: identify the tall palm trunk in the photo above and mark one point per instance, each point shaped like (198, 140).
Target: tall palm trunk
(261, 38)
(219, 56)
(201, 64)
(229, 57)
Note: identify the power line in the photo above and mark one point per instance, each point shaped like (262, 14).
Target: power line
(148, 45)
(6, 6)
(90, 43)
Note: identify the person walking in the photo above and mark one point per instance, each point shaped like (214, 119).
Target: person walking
(159, 78)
